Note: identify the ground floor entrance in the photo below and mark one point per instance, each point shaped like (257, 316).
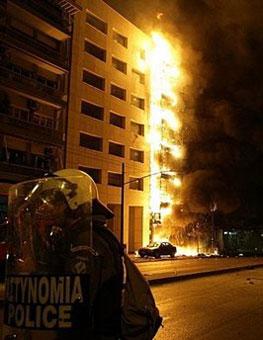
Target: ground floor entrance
(135, 228)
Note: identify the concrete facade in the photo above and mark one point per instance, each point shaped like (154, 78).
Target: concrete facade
(108, 113)
(35, 42)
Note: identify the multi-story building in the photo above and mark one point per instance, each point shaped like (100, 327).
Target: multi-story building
(35, 40)
(108, 114)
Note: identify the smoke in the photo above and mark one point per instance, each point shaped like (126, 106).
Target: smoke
(222, 44)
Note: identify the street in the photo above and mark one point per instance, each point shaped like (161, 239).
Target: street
(219, 307)
(228, 306)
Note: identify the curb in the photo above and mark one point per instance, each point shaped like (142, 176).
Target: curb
(180, 277)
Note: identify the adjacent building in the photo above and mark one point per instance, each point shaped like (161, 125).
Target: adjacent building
(108, 114)
(35, 51)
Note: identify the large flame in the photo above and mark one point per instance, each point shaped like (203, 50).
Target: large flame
(165, 77)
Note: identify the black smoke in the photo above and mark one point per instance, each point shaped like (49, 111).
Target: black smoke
(223, 121)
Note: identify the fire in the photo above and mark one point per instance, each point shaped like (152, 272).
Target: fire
(187, 251)
(165, 75)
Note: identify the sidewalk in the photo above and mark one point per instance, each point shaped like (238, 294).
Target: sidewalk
(172, 277)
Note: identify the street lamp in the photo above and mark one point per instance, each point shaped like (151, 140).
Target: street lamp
(213, 208)
(123, 183)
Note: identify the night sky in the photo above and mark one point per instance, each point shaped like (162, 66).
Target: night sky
(222, 42)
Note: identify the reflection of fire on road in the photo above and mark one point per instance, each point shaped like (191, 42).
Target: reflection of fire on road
(165, 126)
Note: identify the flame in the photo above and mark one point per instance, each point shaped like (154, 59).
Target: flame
(188, 251)
(159, 15)
(165, 78)
(177, 182)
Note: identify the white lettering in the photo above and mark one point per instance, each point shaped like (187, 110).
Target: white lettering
(11, 312)
(43, 290)
(67, 290)
(49, 322)
(19, 315)
(24, 282)
(28, 322)
(16, 283)
(32, 290)
(38, 316)
(42, 301)
(76, 291)
(64, 317)
(56, 290)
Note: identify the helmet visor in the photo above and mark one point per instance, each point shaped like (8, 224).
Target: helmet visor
(42, 216)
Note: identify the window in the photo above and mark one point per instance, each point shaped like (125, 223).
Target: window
(119, 65)
(96, 51)
(139, 76)
(117, 120)
(90, 142)
(94, 80)
(120, 39)
(118, 92)
(96, 23)
(138, 102)
(95, 174)
(92, 110)
(136, 183)
(137, 155)
(116, 149)
(137, 128)
(114, 179)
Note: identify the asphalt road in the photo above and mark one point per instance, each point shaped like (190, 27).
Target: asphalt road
(222, 307)
(167, 267)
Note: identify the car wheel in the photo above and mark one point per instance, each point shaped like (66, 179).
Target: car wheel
(172, 254)
(157, 255)
(142, 255)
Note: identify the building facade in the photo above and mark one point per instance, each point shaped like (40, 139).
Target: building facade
(108, 114)
(35, 50)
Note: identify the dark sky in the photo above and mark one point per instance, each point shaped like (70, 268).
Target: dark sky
(223, 44)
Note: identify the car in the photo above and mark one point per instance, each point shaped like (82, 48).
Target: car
(157, 250)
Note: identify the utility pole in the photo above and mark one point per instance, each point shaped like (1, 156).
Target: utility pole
(122, 203)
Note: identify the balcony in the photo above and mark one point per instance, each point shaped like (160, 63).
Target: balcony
(19, 165)
(31, 44)
(30, 125)
(48, 12)
(70, 6)
(25, 81)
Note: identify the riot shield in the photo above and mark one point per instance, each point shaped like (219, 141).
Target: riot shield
(48, 287)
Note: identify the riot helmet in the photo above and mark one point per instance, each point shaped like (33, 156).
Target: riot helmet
(50, 212)
(74, 201)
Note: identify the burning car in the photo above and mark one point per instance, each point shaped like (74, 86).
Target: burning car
(157, 250)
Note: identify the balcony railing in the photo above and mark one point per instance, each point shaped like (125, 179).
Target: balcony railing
(31, 45)
(25, 80)
(20, 165)
(70, 6)
(21, 122)
(25, 159)
(48, 12)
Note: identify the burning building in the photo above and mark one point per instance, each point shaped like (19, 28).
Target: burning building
(125, 107)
